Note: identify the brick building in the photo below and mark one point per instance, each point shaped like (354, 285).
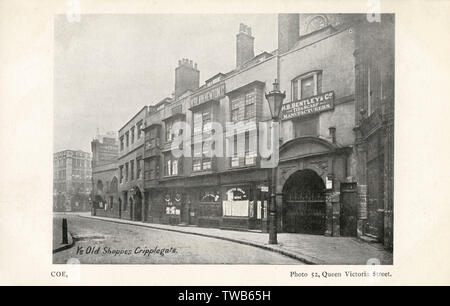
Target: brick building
(71, 180)
(335, 171)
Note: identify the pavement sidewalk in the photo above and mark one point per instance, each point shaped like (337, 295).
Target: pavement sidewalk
(310, 249)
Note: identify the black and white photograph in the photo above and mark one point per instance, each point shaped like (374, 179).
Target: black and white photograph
(224, 139)
(220, 151)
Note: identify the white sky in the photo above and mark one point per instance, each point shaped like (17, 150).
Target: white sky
(107, 67)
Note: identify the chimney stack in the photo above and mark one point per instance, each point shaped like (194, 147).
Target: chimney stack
(187, 77)
(244, 45)
(288, 31)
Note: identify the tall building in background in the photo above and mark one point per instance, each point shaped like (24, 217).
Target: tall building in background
(72, 175)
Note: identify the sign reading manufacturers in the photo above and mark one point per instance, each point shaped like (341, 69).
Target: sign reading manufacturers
(312, 105)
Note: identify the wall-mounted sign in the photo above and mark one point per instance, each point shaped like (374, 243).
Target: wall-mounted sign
(213, 93)
(236, 194)
(312, 105)
(329, 182)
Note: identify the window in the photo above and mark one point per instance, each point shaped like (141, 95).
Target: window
(203, 144)
(250, 153)
(169, 135)
(151, 169)
(138, 167)
(139, 129)
(132, 135)
(307, 85)
(308, 88)
(244, 156)
(237, 109)
(172, 165)
(250, 104)
(244, 106)
(126, 172)
(154, 137)
(127, 139)
(132, 170)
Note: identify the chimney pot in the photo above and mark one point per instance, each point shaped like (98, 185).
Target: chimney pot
(245, 49)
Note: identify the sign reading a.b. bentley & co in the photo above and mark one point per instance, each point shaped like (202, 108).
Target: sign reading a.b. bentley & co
(312, 105)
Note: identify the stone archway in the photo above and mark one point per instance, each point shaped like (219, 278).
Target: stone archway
(304, 206)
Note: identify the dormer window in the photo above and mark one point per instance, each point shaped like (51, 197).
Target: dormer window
(307, 85)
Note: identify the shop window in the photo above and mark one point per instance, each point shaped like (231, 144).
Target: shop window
(236, 203)
(306, 85)
(173, 203)
(209, 196)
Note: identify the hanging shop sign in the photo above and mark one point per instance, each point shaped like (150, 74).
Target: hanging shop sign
(308, 106)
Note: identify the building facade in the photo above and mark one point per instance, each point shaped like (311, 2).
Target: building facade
(130, 168)
(335, 169)
(71, 180)
(105, 183)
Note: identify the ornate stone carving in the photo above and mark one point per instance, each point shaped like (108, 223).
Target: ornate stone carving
(322, 165)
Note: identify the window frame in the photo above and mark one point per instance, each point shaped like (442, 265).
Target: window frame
(296, 85)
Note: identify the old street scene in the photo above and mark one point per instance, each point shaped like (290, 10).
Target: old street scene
(283, 157)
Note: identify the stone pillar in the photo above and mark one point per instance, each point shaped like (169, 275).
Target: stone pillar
(336, 214)
(361, 195)
(329, 213)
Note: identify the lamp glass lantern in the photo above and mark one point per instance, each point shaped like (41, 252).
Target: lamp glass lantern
(275, 99)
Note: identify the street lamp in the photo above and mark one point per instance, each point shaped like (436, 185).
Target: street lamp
(275, 99)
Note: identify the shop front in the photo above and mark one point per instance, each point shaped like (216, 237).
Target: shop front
(245, 200)
(174, 206)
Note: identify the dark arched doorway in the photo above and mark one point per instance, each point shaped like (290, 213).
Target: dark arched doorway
(304, 209)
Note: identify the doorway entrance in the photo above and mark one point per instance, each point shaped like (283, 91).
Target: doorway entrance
(348, 215)
(137, 206)
(304, 208)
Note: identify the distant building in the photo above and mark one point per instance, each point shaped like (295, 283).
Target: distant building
(104, 198)
(72, 176)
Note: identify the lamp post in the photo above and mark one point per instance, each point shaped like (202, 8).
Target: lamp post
(275, 99)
